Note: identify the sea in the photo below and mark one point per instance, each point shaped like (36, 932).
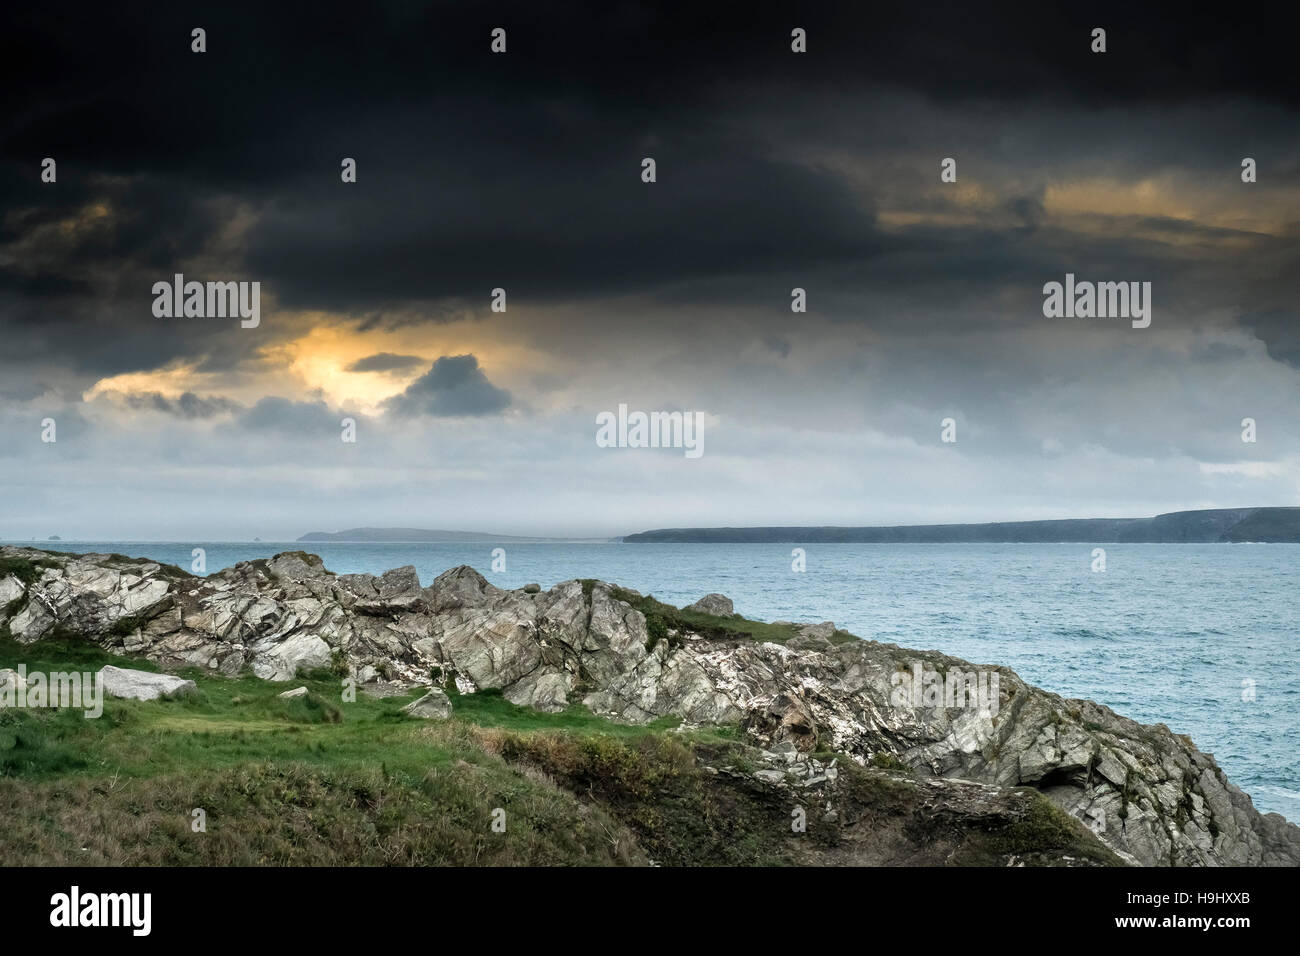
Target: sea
(1202, 637)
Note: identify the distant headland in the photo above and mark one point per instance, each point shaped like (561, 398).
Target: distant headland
(1217, 526)
(428, 536)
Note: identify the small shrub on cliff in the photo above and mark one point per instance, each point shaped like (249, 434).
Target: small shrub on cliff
(887, 761)
(20, 568)
(1046, 829)
(339, 663)
(126, 626)
(656, 629)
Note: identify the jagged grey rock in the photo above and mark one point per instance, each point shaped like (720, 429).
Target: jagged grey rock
(433, 705)
(283, 659)
(10, 589)
(823, 631)
(142, 685)
(1148, 794)
(718, 605)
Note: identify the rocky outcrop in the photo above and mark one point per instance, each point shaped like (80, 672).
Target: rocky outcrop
(433, 705)
(142, 685)
(718, 605)
(1147, 793)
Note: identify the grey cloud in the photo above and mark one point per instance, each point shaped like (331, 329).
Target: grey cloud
(454, 387)
(188, 405)
(277, 414)
(385, 362)
(1279, 330)
(778, 344)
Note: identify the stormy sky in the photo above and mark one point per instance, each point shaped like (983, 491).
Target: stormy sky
(523, 171)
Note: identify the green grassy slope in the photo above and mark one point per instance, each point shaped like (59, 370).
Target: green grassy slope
(316, 780)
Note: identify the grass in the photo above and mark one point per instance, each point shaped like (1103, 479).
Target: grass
(262, 813)
(661, 617)
(314, 780)
(653, 783)
(23, 569)
(1044, 829)
(234, 720)
(307, 780)
(488, 708)
(317, 780)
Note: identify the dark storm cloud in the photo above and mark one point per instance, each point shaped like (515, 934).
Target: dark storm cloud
(522, 171)
(188, 405)
(99, 335)
(582, 226)
(77, 269)
(23, 392)
(1279, 330)
(385, 362)
(455, 387)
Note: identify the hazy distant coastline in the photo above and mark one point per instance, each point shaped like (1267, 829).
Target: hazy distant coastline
(431, 536)
(1222, 525)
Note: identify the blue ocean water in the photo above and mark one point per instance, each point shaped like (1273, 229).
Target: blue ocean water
(1168, 633)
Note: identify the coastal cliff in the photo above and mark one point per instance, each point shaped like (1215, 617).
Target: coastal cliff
(867, 738)
(1212, 526)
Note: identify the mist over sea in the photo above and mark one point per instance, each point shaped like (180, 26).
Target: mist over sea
(1168, 633)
